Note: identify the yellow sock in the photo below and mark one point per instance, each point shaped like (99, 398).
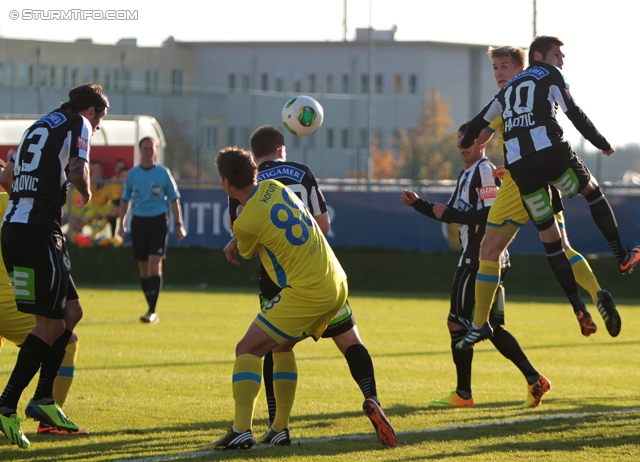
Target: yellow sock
(246, 380)
(63, 381)
(285, 380)
(487, 281)
(583, 274)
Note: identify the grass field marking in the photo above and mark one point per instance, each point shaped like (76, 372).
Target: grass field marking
(566, 415)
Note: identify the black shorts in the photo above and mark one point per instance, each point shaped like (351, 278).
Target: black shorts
(554, 167)
(38, 264)
(72, 293)
(463, 298)
(149, 236)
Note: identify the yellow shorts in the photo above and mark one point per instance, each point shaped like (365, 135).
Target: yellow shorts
(507, 214)
(507, 208)
(292, 315)
(14, 325)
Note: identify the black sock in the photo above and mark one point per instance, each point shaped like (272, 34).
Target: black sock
(267, 377)
(509, 347)
(144, 283)
(561, 268)
(51, 366)
(29, 359)
(462, 359)
(155, 284)
(361, 368)
(606, 221)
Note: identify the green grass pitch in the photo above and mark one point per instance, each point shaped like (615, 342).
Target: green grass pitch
(160, 392)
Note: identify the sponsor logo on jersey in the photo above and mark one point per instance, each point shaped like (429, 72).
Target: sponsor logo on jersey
(53, 119)
(81, 143)
(283, 171)
(536, 72)
(463, 206)
(488, 192)
(155, 190)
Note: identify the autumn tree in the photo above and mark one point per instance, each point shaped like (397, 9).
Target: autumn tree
(429, 151)
(385, 163)
(181, 151)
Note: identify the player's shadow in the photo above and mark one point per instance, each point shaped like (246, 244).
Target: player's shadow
(519, 429)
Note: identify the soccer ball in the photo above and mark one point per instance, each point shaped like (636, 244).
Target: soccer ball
(302, 115)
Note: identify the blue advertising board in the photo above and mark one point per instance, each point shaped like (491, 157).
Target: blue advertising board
(379, 219)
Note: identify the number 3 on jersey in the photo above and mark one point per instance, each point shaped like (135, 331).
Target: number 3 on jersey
(296, 227)
(34, 148)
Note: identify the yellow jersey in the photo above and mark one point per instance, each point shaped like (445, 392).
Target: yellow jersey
(276, 224)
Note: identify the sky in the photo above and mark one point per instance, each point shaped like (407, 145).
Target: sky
(600, 39)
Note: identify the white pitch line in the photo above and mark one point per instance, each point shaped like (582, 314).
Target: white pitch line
(572, 415)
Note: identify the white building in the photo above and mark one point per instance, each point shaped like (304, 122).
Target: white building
(220, 91)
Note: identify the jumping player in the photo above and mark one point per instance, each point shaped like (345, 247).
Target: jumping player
(537, 157)
(508, 215)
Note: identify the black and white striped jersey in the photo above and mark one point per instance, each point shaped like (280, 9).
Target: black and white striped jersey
(40, 171)
(475, 191)
(297, 177)
(528, 104)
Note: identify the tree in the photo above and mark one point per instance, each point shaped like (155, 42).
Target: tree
(429, 150)
(385, 164)
(181, 152)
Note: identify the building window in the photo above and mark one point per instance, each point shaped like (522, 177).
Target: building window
(264, 82)
(379, 84)
(42, 79)
(74, 76)
(364, 138)
(329, 139)
(244, 139)
(413, 84)
(311, 141)
(52, 76)
(137, 80)
(106, 79)
(311, 78)
(22, 74)
(86, 74)
(156, 80)
(31, 75)
(147, 81)
(297, 86)
(344, 138)
(296, 142)
(8, 74)
(117, 85)
(246, 82)
(397, 84)
(231, 83)
(231, 136)
(344, 84)
(364, 83)
(377, 134)
(209, 137)
(279, 84)
(330, 84)
(126, 78)
(176, 82)
(65, 77)
(1, 74)
(95, 74)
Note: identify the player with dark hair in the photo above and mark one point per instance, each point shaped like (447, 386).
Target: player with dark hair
(537, 157)
(276, 225)
(53, 151)
(268, 148)
(508, 214)
(152, 191)
(469, 206)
